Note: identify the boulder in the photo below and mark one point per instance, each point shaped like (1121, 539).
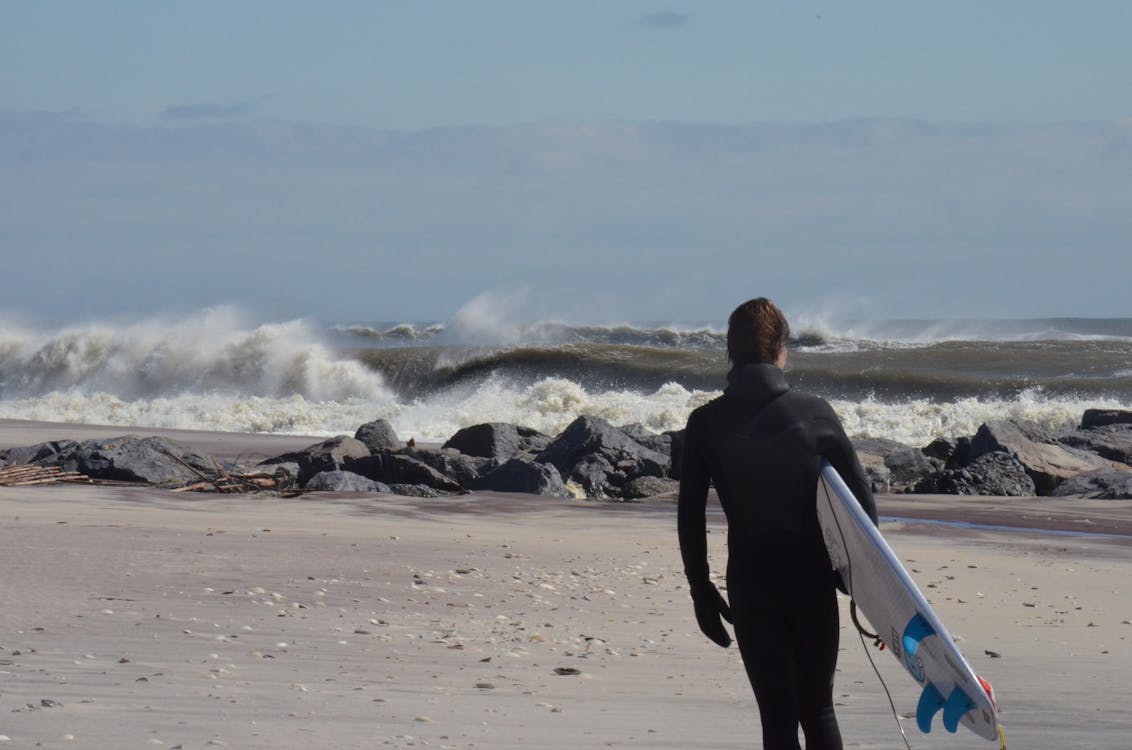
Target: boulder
(990, 474)
(329, 455)
(905, 465)
(532, 440)
(952, 452)
(452, 463)
(661, 443)
(1112, 441)
(378, 436)
(593, 436)
(1047, 463)
(517, 475)
(594, 474)
(498, 440)
(642, 487)
(30, 454)
(343, 481)
(1106, 484)
(1103, 417)
(396, 469)
(879, 475)
(129, 458)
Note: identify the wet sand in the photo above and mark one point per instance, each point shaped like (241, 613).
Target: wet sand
(135, 617)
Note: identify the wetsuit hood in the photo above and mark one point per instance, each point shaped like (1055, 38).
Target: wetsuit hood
(756, 382)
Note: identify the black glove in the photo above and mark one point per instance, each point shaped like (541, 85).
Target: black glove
(710, 607)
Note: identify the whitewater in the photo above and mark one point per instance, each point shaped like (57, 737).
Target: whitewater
(219, 370)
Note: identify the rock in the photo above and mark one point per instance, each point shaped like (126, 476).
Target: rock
(129, 458)
(995, 473)
(642, 487)
(1047, 463)
(378, 436)
(517, 475)
(534, 442)
(661, 443)
(588, 437)
(593, 475)
(396, 469)
(329, 455)
(910, 466)
(343, 481)
(1112, 441)
(952, 452)
(498, 440)
(1106, 484)
(452, 463)
(879, 476)
(1104, 417)
(31, 454)
(906, 465)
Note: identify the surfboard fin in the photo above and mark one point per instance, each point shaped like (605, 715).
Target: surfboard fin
(915, 631)
(957, 705)
(930, 704)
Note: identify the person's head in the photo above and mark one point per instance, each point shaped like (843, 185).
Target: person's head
(757, 332)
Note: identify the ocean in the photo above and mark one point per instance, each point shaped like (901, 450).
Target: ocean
(910, 381)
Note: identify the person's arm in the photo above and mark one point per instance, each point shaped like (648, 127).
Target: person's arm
(691, 526)
(839, 450)
(691, 509)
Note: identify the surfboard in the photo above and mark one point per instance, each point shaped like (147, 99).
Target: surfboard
(884, 591)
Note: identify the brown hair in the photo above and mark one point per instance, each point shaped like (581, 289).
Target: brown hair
(756, 332)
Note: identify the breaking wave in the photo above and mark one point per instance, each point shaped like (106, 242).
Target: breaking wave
(216, 370)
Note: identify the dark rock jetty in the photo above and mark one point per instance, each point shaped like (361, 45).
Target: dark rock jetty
(593, 459)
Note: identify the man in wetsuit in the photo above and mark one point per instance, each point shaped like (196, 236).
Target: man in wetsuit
(761, 444)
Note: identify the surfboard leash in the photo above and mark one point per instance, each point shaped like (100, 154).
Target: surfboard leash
(877, 640)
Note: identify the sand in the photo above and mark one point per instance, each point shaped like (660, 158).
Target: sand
(138, 618)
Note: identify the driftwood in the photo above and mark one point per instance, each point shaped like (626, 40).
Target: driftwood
(28, 475)
(227, 482)
(238, 483)
(25, 475)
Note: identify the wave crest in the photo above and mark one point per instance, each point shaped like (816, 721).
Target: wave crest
(215, 351)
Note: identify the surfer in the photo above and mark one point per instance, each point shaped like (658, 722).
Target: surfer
(761, 444)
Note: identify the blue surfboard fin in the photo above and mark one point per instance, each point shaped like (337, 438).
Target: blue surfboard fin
(930, 704)
(915, 631)
(957, 705)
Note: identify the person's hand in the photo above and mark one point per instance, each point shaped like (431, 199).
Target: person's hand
(710, 607)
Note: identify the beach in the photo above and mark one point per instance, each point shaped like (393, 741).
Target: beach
(136, 617)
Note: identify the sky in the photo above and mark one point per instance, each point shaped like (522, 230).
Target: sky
(591, 161)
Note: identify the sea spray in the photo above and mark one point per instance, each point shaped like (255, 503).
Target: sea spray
(215, 351)
(910, 381)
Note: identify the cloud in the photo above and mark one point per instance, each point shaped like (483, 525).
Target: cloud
(206, 111)
(948, 219)
(664, 20)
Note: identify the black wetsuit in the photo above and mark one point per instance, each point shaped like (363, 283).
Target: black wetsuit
(761, 444)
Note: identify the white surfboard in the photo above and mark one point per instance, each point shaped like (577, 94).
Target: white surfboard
(902, 617)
